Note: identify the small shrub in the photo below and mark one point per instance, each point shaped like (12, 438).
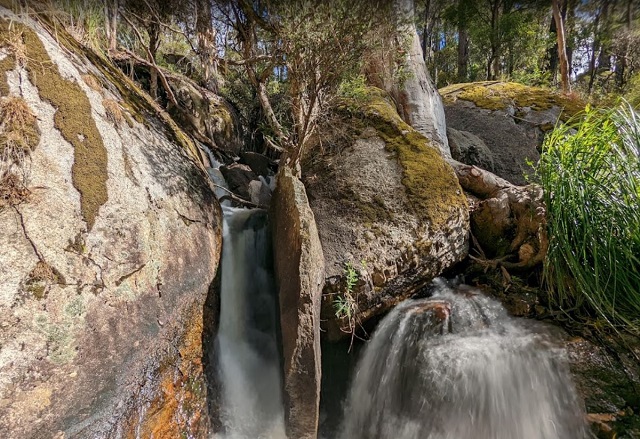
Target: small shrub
(12, 191)
(14, 43)
(19, 134)
(354, 88)
(590, 170)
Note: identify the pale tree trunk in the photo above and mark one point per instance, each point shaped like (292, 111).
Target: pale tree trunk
(206, 42)
(419, 102)
(111, 23)
(562, 49)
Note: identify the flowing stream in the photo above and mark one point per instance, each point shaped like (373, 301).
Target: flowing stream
(456, 366)
(249, 366)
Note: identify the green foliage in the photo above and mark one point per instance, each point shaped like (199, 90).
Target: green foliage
(590, 170)
(345, 305)
(355, 88)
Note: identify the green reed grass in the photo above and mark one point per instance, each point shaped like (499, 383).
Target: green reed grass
(590, 170)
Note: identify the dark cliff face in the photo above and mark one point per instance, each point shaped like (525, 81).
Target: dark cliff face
(107, 263)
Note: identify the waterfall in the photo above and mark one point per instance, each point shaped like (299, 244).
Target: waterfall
(249, 365)
(456, 366)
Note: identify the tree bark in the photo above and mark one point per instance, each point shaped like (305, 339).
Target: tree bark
(463, 50)
(562, 49)
(419, 102)
(154, 41)
(206, 37)
(111, 23)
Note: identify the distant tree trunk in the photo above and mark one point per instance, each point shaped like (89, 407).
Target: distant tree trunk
(154, 43)
(621, 61)
(111, 23)
(595, 47)
(206, 42)
(426, 32)
(562, 49)
(418, 100)
(493, 63)
(463, 42)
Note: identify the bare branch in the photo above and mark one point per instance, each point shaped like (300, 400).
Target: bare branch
(152, 61)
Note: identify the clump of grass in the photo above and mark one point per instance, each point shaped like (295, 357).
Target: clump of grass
(590, 170)
(113, 112)
(19, 133)
(12, 191)
(92, 82)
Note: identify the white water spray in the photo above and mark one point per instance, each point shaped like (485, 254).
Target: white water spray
(249, 368)
(456, 366)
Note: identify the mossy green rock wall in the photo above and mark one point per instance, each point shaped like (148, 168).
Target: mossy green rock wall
(390, 206)
(106, 264)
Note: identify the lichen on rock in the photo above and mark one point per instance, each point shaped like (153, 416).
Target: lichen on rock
(74, 121)
(427, 177)
(387, 205)
(496, 95)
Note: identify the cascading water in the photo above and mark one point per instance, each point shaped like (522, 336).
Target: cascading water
(248, 366)
(456, 366)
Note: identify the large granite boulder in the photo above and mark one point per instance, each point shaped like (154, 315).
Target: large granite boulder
(510, 118)
(299, 268)
(208, 116)
(107, 252)
(470, 149)
(390, 213)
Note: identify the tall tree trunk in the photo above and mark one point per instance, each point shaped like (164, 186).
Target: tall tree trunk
(595, 47)
(493, 63)
(552, 53)
(621, 62)
(206, 42)
(111, 23)
(154, 42)
(604, 57)
(463, 42)
(419, 102)
(562, 50)
(426, 31)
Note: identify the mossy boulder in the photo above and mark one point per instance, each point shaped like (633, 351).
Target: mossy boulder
(107, 262)
(510, 118)
(390, 214)
(206, 114)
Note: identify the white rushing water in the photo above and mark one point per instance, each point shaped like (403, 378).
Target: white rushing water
(249, 367)
(456, 366)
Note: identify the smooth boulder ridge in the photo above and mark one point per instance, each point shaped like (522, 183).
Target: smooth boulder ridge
(108, 252)
(299, 267)
(390, 213)
(510, 118)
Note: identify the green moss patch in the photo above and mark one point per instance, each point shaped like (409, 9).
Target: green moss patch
(6, 65)
(493, 95)
(74, 121)
(40, 278)
(431, 185)
(9, 62)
